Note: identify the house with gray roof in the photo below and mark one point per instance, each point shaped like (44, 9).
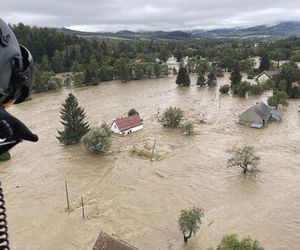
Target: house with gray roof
(259, 115)
(266, 75)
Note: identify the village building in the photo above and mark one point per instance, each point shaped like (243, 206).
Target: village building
(266, 75)
(259, 115)
(107, 242)
(127, 125)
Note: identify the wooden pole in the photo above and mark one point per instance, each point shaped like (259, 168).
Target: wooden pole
(153, 149)
(82, 205)
(157, 113)
(67, 195)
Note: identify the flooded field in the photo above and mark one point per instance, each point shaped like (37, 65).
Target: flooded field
(139, 200)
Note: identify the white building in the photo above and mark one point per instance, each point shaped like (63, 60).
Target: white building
(127, 125)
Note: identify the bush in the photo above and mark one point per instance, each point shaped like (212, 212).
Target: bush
(98, 139)
(225, 89)
(5, 156)
(171, 117)
(187, 129)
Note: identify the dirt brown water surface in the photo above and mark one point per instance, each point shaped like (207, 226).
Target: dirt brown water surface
(139, 200)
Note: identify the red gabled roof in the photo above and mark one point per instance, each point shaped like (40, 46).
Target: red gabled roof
(128, 122)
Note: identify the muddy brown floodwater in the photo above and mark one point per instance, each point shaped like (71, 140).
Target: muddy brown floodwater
(139, 200)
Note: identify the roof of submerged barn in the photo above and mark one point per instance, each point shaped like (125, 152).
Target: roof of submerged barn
(107, 242)
(128, 122)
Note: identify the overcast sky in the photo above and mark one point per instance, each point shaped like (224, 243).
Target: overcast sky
(114, 15)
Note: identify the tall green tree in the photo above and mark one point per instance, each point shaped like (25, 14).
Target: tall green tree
(201, 81)
(265, 63)
(123, 69)
(212, 79)
(235, 76)
(189, 221)
(72, 118)
(183, 78)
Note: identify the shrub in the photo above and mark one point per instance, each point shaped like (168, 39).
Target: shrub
(171, 117)
(257, 89)
(187, 128)
(98, 139)
(225, 89)
(5, 156)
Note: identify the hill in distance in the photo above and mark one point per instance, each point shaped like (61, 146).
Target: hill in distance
(283, 29)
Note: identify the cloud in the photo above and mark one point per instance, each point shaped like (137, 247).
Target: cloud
(113, 15)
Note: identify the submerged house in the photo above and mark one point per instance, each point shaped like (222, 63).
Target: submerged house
(266, 75)
(259, 115)
(107, 242)
(127, 125)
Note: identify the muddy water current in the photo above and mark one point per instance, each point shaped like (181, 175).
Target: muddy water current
(139, 200)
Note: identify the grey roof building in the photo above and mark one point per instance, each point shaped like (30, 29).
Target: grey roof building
(259, 115)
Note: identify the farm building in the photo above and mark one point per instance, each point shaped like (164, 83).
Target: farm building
(266, 75)
(127, 125)
(107, 242)
(259, 115)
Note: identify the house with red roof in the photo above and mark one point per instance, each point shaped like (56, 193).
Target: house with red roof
(127, 125)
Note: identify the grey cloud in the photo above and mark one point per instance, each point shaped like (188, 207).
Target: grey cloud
(112, 15)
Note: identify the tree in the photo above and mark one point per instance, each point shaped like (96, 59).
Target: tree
(231, 242)
(201, 81)
(171, 117)
(235, 76)
(242, 89)
(278, 98)
(133, 112)
(123, 69)
(98, 139)
(244, 157)
(189, 221)
(224, 89)
(183, 78)
(265, 63)
(72, 118)
(163, 54)
(211, 79)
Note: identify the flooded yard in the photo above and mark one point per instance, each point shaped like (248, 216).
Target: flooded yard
(139, 200)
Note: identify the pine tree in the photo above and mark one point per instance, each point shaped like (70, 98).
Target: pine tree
(235, 77)
(183, 77)
(265, 63)
(72, 118)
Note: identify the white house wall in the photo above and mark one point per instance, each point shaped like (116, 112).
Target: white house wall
(263, 78)
(114, 128)
(134, 129)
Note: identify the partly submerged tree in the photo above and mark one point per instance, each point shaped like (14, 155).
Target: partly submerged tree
(265, 63)
(201, 81)
(133, 112)
(244, 157)
(171, 117)
(278, 98)
(187, 128)
(212, 79)
(72, 118)
(224, 89)
(189, 221)
(183, 78)
(98, 139)
(232, 242)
